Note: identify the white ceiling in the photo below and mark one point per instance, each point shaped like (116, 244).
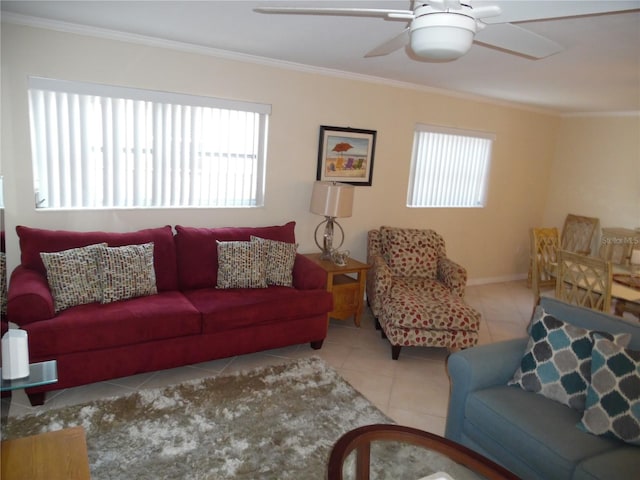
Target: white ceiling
(599, 71)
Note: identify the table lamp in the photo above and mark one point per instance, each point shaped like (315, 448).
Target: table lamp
(15, 354)
(333, 200)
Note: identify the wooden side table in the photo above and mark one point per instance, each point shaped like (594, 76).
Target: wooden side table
(348, 292)
(59, 454)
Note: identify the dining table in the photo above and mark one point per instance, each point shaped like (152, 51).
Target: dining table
(625, 289)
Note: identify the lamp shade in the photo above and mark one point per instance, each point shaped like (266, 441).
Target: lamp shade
(332, 199)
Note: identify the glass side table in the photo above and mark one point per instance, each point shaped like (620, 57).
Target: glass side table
(41, 373)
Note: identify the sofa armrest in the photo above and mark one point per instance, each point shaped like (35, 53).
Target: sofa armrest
(475, 369)
(379, 280)
(307, 275)
(29, 298)
(453, 275)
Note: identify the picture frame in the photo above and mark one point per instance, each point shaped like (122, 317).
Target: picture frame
(346, 155)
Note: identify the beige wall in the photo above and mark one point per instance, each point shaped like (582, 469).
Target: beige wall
(596, 171)
(491, 242)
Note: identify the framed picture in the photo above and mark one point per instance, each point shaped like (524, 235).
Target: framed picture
(346, 155)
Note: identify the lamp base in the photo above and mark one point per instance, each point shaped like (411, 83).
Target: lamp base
(327, 247)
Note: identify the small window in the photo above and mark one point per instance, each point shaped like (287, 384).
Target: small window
(449, 167)
(99, 146)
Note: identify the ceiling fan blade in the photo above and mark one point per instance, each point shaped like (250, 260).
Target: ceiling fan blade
(523, 11)
(516, 39)
(354, 12)
(391, 45)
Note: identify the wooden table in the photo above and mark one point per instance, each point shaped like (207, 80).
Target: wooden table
(58, 455)
(359, 441)
(348, 292)
(627, 298)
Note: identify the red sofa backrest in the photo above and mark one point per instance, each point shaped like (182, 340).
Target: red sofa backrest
(197, 250)
(36, 240)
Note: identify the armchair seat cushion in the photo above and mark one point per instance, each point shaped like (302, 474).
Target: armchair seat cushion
(427, 304)
(433, 317)
(500, 419)
(620, 463)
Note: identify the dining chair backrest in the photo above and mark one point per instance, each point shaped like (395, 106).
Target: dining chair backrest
(577, 233)
(584, 280)
(544, 245)
(616, 245)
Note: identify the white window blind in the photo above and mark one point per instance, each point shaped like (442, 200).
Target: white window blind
(449, 167)
(98, 146)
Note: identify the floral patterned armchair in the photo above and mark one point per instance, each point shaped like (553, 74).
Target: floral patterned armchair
(416, 293)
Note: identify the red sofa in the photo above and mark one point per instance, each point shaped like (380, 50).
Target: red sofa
(188, 321)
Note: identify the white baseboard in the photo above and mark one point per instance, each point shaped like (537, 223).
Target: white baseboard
(501, 279)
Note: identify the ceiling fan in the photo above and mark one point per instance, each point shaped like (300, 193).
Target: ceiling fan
(442, 30)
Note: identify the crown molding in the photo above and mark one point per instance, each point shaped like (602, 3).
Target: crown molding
(626, 113)
(78, 29)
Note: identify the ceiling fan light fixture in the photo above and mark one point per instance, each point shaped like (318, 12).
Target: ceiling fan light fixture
(442, 35)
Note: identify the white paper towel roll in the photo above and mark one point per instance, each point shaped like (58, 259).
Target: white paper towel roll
(15, 354)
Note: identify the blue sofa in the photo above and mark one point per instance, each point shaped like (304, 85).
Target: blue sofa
(534, 437)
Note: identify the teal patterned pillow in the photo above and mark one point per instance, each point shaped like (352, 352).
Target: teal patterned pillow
(126, 272)
(241, 265)
(613, 398)
(557, 360)
(280, 259)
(73, 276)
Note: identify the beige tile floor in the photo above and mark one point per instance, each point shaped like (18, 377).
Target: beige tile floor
(413, 390)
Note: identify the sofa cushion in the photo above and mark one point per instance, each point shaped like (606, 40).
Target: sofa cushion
(97, 326)
(73, 276)
(531, 429)
(623, 462)
(280, 258)
(126, 272)
(613, 397)
(242, 307)
(35, 240)
(197, 250)
(557, 360)
(412, 252)
(241, 265)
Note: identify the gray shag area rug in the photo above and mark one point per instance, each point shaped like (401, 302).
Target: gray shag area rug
(277, 422)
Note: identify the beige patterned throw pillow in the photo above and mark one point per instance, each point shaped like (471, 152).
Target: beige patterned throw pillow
(126, 272)
(73, 276)
(280, 259)
(241, 265)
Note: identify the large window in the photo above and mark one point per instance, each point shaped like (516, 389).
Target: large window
(98, 146)
(449, 167)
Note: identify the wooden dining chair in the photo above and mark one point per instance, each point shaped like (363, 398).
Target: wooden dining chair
(544, 243)
(617, 244)
(577, 233)
(584, 280)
